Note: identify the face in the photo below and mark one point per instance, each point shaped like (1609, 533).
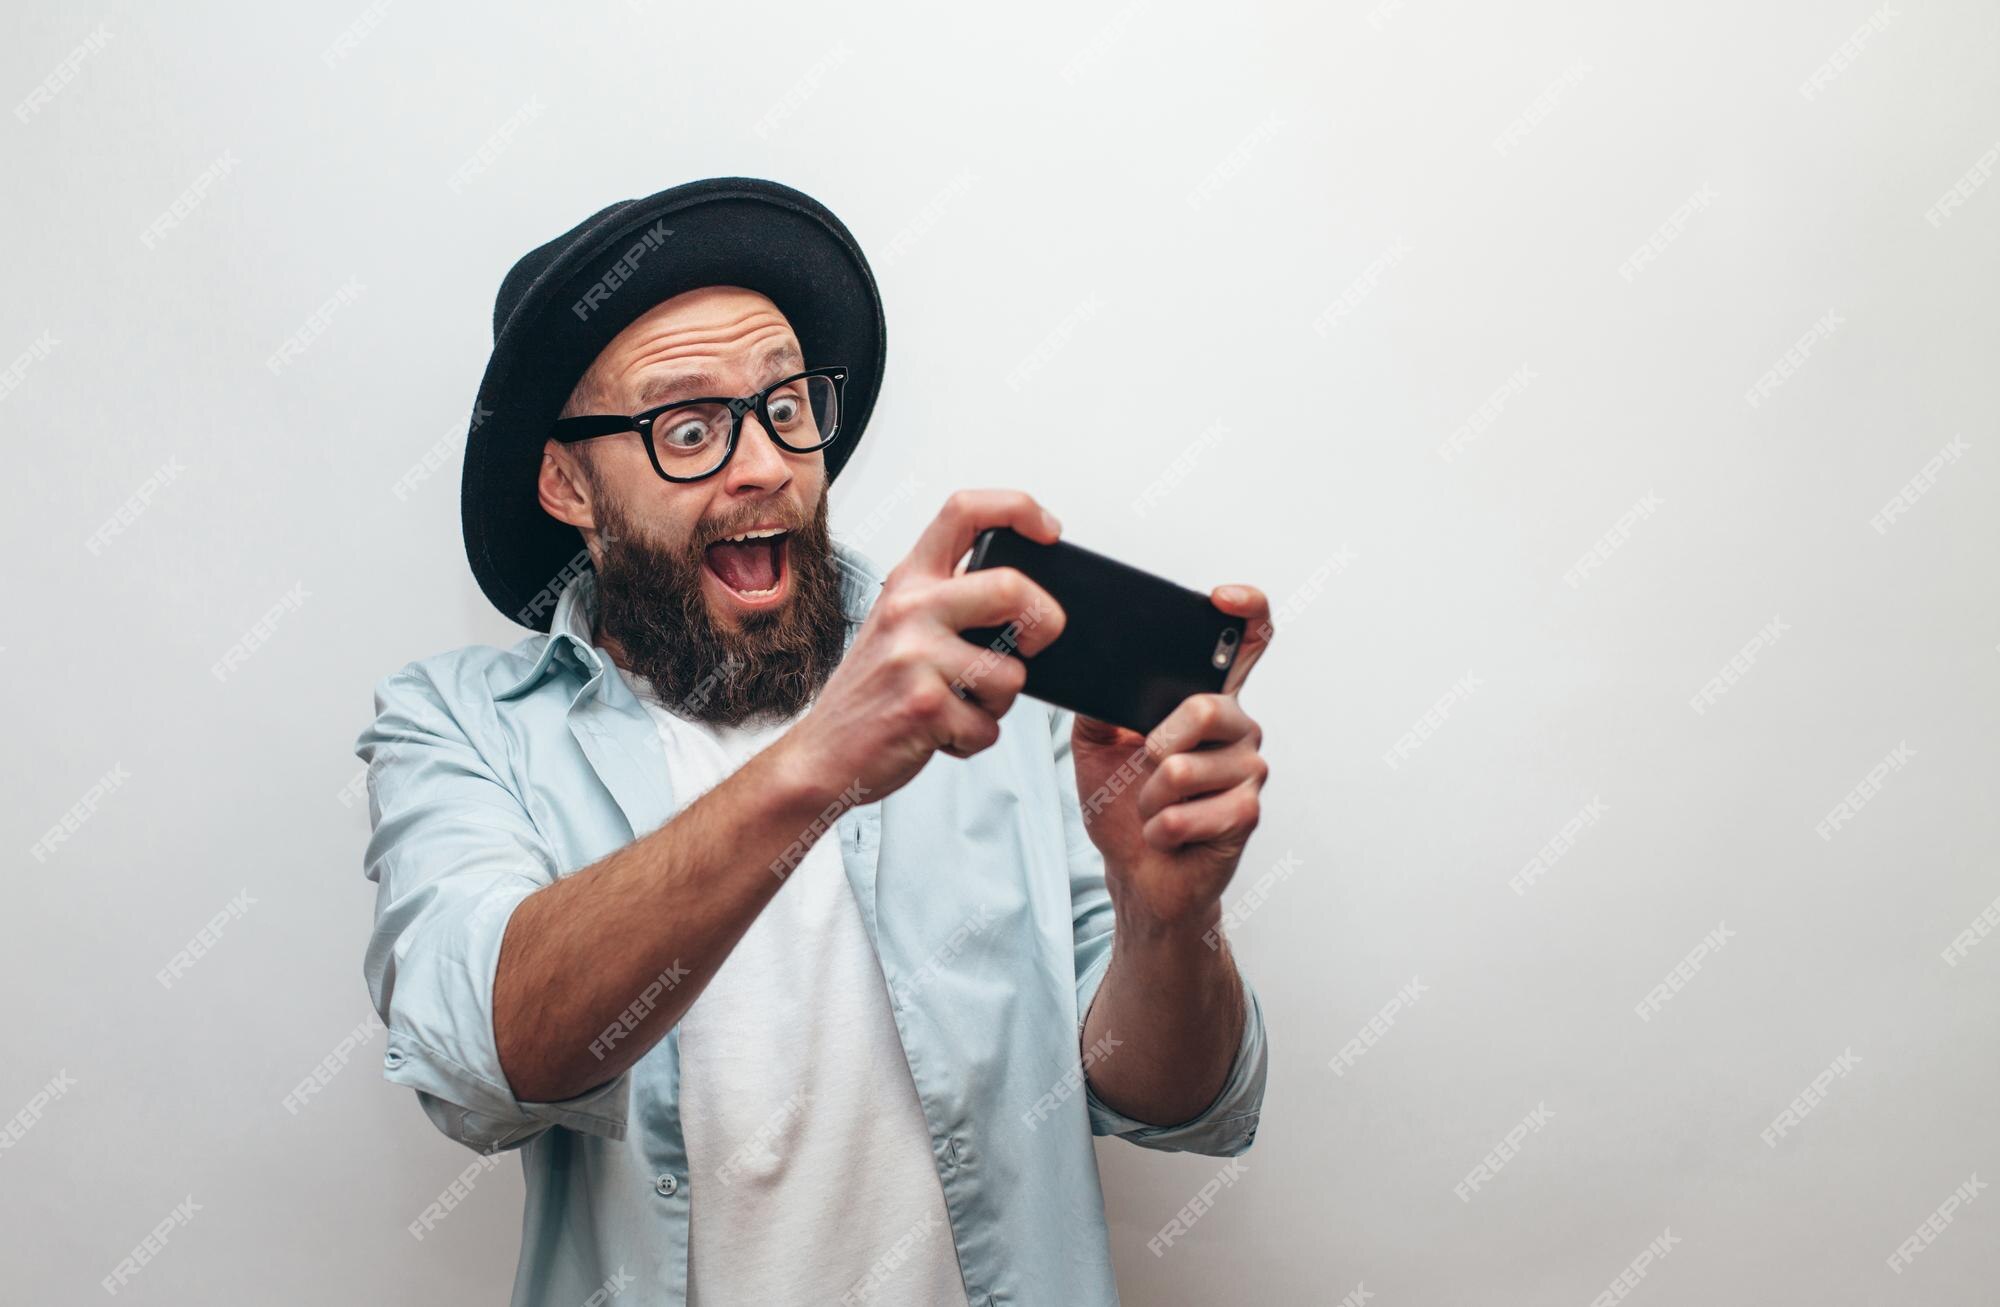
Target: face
(722, 628)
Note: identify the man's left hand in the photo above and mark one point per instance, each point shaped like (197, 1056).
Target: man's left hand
(1187, 800)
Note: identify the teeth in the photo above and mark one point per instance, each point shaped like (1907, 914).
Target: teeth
(764, 534)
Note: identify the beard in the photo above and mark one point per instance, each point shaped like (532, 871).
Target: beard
(651, 600)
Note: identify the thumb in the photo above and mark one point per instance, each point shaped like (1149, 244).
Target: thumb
(1092, 731)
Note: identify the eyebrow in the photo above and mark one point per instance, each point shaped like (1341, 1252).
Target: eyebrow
(666, 387)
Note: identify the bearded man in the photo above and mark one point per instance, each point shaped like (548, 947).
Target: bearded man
(673, 897)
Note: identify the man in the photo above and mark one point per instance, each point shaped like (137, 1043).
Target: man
(674, 897)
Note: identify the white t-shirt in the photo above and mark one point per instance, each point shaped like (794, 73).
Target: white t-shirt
(810, 1174)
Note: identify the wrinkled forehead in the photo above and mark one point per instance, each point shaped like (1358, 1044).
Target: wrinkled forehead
(718, 318)
(709, 341)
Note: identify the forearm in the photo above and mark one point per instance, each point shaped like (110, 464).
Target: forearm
(655, 919)
(1176, 1008)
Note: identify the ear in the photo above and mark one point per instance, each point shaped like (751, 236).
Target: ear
(561, 488)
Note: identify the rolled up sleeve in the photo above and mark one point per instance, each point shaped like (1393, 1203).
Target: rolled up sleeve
(1228, 1125)
(452, 853)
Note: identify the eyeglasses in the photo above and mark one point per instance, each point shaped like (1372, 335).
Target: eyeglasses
(690, 439)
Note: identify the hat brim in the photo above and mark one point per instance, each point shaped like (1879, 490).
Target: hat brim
(730, 231)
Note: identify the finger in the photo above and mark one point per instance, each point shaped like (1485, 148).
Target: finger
(1201, 719)
(1029, 617)
(1248, 603)
(989, 678)
(968, 512)
(1183, 777)
(1225, 817)
(965, 729)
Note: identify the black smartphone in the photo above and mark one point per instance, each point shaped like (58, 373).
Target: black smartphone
(1134, 644)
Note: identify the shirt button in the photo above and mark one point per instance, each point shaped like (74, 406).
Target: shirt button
(666, 1186)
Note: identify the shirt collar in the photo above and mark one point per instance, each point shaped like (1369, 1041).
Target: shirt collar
(569, 645)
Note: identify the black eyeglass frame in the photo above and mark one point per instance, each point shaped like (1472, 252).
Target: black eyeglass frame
(570, 430)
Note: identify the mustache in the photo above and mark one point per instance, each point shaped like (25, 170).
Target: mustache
(786, 522)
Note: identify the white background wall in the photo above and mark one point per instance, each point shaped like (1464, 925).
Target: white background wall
(1168, 214)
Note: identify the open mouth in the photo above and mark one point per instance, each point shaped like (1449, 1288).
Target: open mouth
(752, 566)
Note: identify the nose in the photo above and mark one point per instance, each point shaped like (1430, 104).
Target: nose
(758, 463)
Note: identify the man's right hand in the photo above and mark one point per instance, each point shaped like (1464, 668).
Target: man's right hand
(895, 698)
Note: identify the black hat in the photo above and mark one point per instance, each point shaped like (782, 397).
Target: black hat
(561, 304)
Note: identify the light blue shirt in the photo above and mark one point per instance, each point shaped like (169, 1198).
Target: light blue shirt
(492, 773)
